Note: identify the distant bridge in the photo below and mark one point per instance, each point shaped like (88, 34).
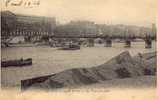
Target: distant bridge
(102, 36)
(107, 38)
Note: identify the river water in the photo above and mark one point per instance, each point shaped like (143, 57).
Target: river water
(47, 60)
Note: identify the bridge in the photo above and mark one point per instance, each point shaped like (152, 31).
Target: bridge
(90, 37)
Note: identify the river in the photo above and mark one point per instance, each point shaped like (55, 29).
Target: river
(47, 60)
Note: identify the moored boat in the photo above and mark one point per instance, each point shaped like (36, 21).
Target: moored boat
(70, 47)
(16, 63)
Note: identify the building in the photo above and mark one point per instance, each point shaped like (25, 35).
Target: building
(17, 24)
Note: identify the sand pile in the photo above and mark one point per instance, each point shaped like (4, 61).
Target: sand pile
(121, 66)
(148, 62)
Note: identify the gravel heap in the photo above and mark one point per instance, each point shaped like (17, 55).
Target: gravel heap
(121, 66)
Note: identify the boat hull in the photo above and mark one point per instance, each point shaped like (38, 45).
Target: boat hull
(16, 63)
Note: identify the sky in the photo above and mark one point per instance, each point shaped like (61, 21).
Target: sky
(130, 12)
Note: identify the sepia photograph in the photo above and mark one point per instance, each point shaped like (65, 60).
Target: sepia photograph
(59, 45)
